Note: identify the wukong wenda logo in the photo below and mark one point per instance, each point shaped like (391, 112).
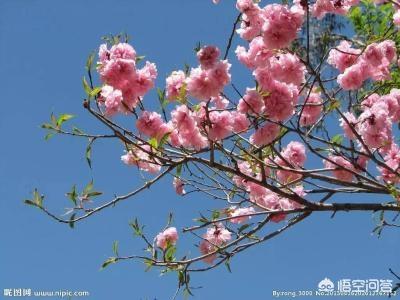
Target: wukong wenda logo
(326, 285)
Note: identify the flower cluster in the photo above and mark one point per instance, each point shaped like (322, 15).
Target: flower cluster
(167, 238)
(215, 237)
(374, 63)
(124, 84)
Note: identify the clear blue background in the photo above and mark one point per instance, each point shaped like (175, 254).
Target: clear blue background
(43, 48)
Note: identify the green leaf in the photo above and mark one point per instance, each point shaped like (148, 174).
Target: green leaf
(86, 87)
(115, 248)
(95, 91)
(47, 126)
(30, 202)
(170, 253)
(228, 265)
(77, 130)
(139, 58)
(72, 195)
(198, 47)
(153, 142)
(179, 170)
(71, 221)
(89, 61)
(88, 188)
(109, 261)
(63, 118)
(243, 227)
(37, 198)
(48, 136)
(94, 194)
(215, 214)
(164, 139)
(162, 97)
(88, 152)
(337, 139)
(53, 119)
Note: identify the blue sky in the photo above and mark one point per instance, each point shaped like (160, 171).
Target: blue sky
(43, 48)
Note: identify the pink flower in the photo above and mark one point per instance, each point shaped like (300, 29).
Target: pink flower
(322, 7)
(217, 234)
(166, 238)
(178, 185)
(354, 76)
(149, 123)
(252, 19)
(312, 109)
(375, 126)
(208, 56)
(204, 84)
(281, 25)
(392, 161)
(294, 157)
(340, 166)
(220, 102)
(240, 214)
(206, 247)
(257, 56)
(240, 122)
(221, 125)
(174, 84)
(214, 237)
(351, 119)
(287, 67)
(142, 158)
(343, 56)
(122, 50)
(252, 103)
(396, 17)
(144, 79)
(279, 104)
(117, 68)
(374, 63)
(265, 135)
(111, 98)
(187, 131)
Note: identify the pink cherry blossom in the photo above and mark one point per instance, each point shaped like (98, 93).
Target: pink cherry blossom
(257, 55)
(279, 103)
(252, 103)
(178, 185)
(349, 125)
(240, 122)
(392, 161)
(215, 236)
(341, 167)
(187, 130)
(149, 123)
(312, 109)
(281, 25)
(174, 84)
(294, 157)
(343, 56)
(111, 99)
(341, 7)
(204, 84)
(287, 67)
(221, 125)
(265, 134)
(166, 238)
(208, 56)
(142, 158)
(375, 125)
(240, 214)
